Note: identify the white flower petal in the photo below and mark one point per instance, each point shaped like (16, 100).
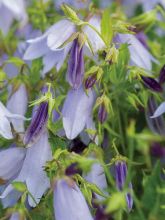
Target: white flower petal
(62, 31)
(159, 111)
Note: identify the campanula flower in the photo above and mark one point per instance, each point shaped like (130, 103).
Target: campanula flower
(157, 125)
(5, 119)
(69, 202)
(121, 175)
(97, 177)
(139, 55)
(32, 174)
(11, 161)
(17, 103)
(11, 10)
(78, 105)
(102, 113)
(152, 84)
(51, 45)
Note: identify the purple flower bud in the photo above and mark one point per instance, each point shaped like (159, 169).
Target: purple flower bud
(151, 84)
(121, 175)
(162, 75)
(101, 215)
(75, 72)
(157, 150)
(102, 113)
(37, 125)
(72, 169)
(69, 202)
(90, 81)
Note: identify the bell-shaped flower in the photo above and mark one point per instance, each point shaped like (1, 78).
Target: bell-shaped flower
(69, 202)
(75, 71)
(17, 103)
(11, 10)
(76, 111)
(11, 161)
(51, 45)
(5, 119)
(37, 125)
(139, 55)
(121, 175)
(32, 173)
(97, 177)
(157, 125)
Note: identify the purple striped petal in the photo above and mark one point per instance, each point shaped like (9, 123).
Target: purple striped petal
(75, 72)
(102, 113)
(37, 125)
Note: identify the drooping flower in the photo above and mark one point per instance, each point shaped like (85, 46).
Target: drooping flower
(75, 71)
(157, 125)
(121, 175)
(37, 125)
(51, 46)
(69, 202)
(139, 55)
(32, 174)
(5, 119)
(11, 10)
(97, 177)
(78, 105)
(17, 103)
(11, 161)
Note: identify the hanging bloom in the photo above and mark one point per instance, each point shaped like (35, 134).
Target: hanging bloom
(17, 103)
(139, 55)
(75, 71)
(5, 120)
(151, 84)
(37, 125)
(11, 161)
(157, 125)
(69, 202)
(78, 105)
(97, 177)
(51, 46)
(121, 175)
(32, 174)
(11, 10)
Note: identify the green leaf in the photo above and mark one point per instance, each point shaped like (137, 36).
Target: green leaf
(19, 186)
(106, 27)
(115, 202)
(35, 71)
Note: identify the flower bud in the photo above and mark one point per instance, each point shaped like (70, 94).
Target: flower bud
(90, 81)
(121, 176)
(162, 75)
(102, 113)
(152, 84)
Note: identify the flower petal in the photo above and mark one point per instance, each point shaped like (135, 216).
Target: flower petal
(11, 161)
(69, 202)
(61, 32)
(159, 111)
(76, 110)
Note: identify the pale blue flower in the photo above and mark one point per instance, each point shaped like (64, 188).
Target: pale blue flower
(76, 111)
(69, 202)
